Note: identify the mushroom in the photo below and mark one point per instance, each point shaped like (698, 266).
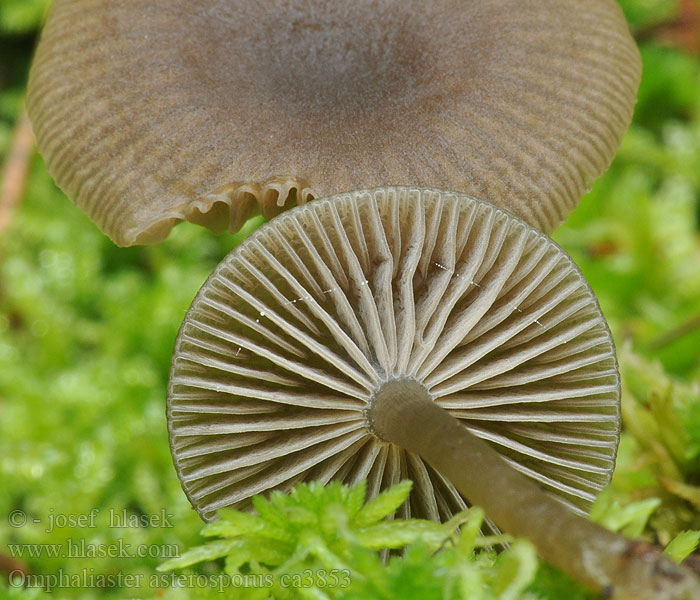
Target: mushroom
(411, 333)
(149, 113)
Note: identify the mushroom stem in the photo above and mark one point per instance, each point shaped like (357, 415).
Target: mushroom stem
(403, 412)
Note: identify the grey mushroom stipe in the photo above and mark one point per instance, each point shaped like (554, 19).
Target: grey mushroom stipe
(301, 328)
(149, 112)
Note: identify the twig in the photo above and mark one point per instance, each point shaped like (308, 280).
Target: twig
(675, 333)
(692, 562)
(683, 30)
(16, 169)
(11, 565)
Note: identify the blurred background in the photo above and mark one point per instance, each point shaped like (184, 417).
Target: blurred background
(87, 329)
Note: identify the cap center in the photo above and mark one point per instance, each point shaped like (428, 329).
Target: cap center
(312, 60)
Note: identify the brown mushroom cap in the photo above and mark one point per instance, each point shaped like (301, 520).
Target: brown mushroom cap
(286, 344)
(150, 112)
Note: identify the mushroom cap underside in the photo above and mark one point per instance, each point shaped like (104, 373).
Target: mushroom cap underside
(149, 113)
(285, 345)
